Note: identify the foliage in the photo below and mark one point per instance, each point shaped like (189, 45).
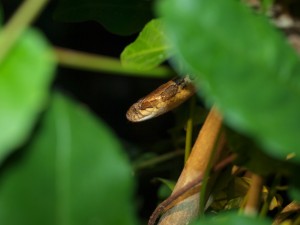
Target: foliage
(253, 43)
(62, 165)
(150, 48)
(22, 99)
(59, 175)
(62, 176)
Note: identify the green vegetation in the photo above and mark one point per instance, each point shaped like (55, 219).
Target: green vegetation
(62, 165)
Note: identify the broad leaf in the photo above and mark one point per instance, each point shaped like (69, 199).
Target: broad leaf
(244, 66)
(72, 172)
(149, 49)
(25, 76)
(118, 16)
(231, 219)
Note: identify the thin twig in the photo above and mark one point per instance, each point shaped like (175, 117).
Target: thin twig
(189, 129)
(25, 14)
(156, 160)
(270, 196)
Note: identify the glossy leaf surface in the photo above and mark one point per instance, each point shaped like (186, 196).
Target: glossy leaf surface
(25, 76)
(244, 66)
(149, 49)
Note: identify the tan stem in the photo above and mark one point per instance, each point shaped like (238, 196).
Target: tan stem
(254, 195)
(201, 150)
(187, 206)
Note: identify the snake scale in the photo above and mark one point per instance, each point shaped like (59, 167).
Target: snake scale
(163, 99)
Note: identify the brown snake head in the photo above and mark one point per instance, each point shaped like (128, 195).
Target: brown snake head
(165, 98)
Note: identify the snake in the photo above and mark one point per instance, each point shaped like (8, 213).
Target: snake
(163, 99)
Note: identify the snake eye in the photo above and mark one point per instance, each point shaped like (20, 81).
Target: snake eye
(148, 104)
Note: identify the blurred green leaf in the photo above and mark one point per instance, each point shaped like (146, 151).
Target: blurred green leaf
(267, 4)
(149, 49)
(163, 192)
(25, 76)
(253, 158)
(231, 219)
(244, 66)
(72, 172)
(117, 16)
(166, 187)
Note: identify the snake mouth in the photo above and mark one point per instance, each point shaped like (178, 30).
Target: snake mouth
(134, 114)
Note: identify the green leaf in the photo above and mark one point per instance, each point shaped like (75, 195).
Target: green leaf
(267, 4)
(118, 16)
(231, 219)
(72, 172)
(244, 66)
(163, 192)
(166, 187)
(25, 76)
(149, 49)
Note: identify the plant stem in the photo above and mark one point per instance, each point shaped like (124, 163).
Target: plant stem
(156, 160)
(254, 195)
(203, 192)
(25, 14)
(189, 129)
(270, 196)
(93, 62)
